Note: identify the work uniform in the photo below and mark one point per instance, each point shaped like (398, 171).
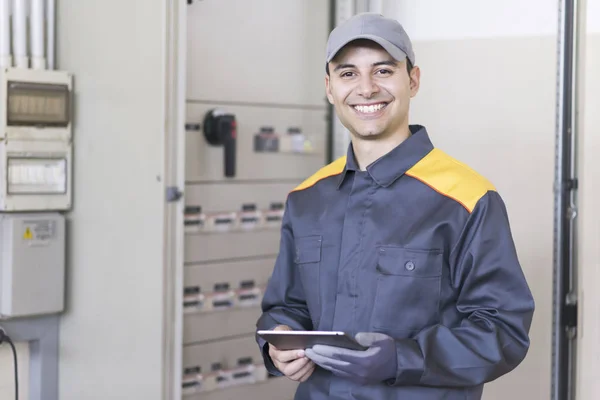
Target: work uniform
(418, 247)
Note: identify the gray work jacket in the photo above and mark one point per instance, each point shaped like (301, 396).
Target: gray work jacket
(418, 247)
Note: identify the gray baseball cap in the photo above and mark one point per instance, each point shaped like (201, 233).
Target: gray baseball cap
(387, 32)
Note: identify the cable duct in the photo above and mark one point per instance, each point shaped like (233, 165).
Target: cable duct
(19, 33)
(27, 33)
(5, 55)
(36, 25)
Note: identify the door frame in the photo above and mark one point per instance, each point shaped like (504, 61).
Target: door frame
(175, 47)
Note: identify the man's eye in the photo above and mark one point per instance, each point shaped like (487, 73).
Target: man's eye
(346, 74)
(384, 72)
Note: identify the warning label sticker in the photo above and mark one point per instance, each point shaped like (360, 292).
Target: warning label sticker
(39, 230)
(28, 235)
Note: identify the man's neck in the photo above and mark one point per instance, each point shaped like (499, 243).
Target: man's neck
(368, 151)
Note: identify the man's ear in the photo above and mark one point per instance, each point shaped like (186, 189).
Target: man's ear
(328, 89)
(415, 81)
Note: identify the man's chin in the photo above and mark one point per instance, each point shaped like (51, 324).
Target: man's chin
(368, 135)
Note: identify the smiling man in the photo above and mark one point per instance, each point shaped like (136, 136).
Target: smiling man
(397, 244)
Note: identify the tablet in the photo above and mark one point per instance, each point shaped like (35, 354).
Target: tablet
(299, 340)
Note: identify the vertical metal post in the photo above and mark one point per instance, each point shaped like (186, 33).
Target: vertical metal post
(175, 42)
(565, 263)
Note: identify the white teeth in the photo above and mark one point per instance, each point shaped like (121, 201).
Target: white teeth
(369, 109)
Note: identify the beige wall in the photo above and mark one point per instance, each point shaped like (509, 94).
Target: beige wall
(589, 227)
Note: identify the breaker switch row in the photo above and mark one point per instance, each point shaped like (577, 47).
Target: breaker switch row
(246, 372)
(222, 297)
(248, 218)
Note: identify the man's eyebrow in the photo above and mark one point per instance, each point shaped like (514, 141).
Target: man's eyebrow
(391, 63)
(377, 64)
(342, 66)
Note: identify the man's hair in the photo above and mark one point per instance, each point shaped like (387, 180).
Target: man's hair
(409, 67)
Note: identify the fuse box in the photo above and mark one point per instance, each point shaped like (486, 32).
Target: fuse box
(35, 140)
(32, 264)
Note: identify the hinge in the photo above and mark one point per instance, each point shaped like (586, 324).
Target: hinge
(570, 315)
(571, 184)
(173, 194)
(570, 311)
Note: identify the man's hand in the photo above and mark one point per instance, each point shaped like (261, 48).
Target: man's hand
(292, 363)
(376, 364)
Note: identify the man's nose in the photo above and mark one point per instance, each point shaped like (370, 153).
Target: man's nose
(367, 86)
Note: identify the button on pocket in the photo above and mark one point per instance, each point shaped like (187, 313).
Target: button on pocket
(308, 261)
(408, 289)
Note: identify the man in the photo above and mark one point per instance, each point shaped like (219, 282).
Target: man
(398, 244)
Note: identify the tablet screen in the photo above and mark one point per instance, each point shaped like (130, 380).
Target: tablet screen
(299, 340)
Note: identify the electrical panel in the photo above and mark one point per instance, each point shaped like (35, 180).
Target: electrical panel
(289, 144)
(35, 140)
(35, 186)
(32, 264)
(210, 369)
(253, 133)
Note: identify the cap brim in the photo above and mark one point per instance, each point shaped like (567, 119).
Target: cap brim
(394, 51)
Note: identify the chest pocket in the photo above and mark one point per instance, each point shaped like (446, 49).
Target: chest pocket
(408, 290)
(307, 257)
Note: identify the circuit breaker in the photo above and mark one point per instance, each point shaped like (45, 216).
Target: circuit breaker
(32, 264)
(35, 140)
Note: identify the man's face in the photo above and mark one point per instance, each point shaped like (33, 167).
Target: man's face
(370, 90)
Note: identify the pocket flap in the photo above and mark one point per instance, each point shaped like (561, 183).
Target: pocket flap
(409, 262)
(308, 249)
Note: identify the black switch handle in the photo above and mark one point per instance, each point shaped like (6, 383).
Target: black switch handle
(229, 133)
(220, 129)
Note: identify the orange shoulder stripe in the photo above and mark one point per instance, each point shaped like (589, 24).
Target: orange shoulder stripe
(451, 178)
(335, 168)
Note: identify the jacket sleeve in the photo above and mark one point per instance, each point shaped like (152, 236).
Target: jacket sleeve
(284, 300)
(494, 300)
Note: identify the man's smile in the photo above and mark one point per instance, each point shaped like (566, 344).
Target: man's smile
(370, 110)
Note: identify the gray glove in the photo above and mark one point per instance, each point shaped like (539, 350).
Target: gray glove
(376, 364)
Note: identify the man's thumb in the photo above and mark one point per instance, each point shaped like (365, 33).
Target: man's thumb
(282, 328)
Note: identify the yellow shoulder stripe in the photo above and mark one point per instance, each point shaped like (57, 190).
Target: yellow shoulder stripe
(451, 178)
(335, 168)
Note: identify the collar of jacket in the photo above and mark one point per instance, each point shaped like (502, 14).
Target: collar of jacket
(388, 168)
